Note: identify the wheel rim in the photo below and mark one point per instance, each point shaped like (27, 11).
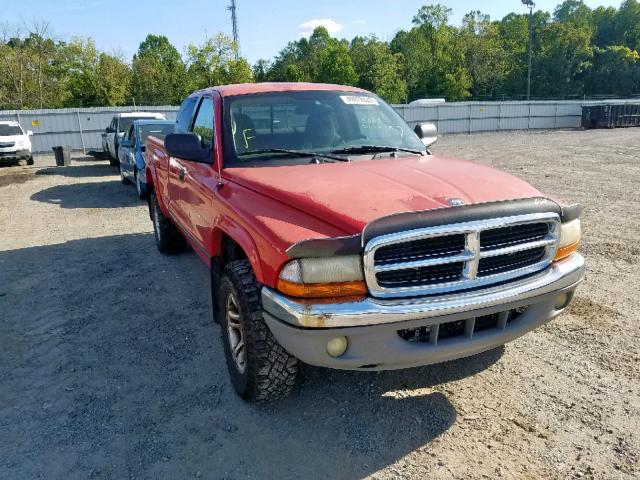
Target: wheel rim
(234, 331)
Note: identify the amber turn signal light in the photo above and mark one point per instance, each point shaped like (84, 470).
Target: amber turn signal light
(321, 290)
(564, 252)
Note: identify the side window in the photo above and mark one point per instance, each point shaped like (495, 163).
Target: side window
(132, 138)
(203, 124)
(185, 114)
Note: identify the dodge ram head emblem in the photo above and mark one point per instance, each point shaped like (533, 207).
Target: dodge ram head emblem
(455, 202)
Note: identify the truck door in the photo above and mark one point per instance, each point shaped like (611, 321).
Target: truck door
(199, 181)
(176, 167)
(111, 138)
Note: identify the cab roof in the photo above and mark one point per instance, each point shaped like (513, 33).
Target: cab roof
(249, 88)
(140, 114)
(152, 121)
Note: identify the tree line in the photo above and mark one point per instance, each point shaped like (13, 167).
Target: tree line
(577, 51)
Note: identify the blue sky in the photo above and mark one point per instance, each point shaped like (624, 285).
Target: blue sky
(265, 26)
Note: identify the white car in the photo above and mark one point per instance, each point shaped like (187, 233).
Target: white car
(117, 128)
(15, 144)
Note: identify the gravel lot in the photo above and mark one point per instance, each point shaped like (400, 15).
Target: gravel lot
(110, 366)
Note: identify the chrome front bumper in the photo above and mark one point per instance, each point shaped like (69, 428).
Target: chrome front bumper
(373, 311)
(372, 326)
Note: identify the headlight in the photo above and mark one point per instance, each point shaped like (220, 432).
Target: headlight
(569, 239)
(323, 277)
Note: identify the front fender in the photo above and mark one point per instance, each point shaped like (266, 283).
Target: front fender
(227, 226)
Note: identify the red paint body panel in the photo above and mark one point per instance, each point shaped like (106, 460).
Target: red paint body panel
(249, 88)
(350, 195)
(266, 210)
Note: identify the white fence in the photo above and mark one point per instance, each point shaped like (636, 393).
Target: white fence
(473, 117)
(81, 128)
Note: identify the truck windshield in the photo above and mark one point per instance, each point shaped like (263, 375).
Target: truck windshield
(326, 122)
(159, 130)
(9, 130)
(126, 122)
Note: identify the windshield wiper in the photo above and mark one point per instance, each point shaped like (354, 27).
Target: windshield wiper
(375, 149)
(297, 153)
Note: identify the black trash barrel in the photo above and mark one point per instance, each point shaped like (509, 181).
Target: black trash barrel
(587, 121)
(63, 156)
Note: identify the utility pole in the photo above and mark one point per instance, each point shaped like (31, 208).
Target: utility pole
(234, 22)
(531, 5)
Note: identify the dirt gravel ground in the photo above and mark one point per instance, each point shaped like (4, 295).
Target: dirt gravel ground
(110, 366)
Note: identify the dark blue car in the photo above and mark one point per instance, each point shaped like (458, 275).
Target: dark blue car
(133, 168)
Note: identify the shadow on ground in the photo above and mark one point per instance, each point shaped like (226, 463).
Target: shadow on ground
(79, 171)
(106, 194)
(114, 369)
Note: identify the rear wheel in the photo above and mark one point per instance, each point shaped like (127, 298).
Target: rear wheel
(123, 179)
(168, 238)
(259, 367)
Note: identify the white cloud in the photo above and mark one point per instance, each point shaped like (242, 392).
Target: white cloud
(331, 25)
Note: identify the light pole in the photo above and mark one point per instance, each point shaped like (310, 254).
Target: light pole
(531, 5)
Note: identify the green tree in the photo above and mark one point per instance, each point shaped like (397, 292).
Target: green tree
(606, 31)
(628, 23)
(158, 73)
(336, 65)
(113, 85)
(261, 70)
(563, 53)
(379, 70)
(320, 58)
(575, 12)
(615, 71)
(434, 61)
(484, 57)
(214, 63)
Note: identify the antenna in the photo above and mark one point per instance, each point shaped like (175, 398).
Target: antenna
(234, 22)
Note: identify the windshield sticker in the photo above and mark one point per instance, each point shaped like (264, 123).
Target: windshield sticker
(359, 100)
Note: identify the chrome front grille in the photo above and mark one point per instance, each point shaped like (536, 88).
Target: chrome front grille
(460, 256)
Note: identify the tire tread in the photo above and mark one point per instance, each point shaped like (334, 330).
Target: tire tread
(271, 370)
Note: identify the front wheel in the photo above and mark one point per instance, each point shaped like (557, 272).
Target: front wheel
(123, 179)
(30, 160)
(259, 367)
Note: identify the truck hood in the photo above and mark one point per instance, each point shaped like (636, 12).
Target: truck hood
(350, 195)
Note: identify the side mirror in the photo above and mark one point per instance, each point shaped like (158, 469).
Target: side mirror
(427, 132)
(30, 133)
(187, 146)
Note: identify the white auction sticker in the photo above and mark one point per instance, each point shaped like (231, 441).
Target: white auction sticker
(359, 100)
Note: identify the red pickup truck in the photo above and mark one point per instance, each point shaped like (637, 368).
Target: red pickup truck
(334, 237)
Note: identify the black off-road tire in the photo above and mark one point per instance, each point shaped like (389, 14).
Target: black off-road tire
(270, 371)
(123, 179)
(30, 160)
(168, 238)
(114, 162)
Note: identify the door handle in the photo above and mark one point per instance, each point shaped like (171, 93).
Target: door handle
(181, 174)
